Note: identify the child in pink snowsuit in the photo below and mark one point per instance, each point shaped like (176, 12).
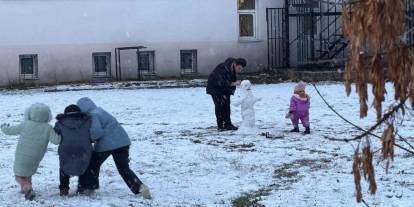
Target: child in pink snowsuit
(299, 108)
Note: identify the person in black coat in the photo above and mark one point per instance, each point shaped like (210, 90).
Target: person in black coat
(75, 149)
(221, 84)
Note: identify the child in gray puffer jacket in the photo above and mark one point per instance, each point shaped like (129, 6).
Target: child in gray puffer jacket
(111, 139)
(35, 134)
(75, 150)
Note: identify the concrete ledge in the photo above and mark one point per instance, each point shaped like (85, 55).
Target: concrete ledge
(196, 80)
(278, 76)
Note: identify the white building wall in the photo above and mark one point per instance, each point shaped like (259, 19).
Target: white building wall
(65, 33)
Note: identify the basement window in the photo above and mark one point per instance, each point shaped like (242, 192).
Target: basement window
(28, 66)
(101, 64)
(188, 61)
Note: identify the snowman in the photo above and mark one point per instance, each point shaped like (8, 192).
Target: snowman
(247, 101)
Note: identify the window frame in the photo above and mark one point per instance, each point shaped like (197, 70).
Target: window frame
(194, 68)
(108, 66)
(255, 23)
(35, 74)
(151, 56)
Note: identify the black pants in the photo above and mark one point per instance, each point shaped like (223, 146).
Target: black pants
(90, 179)
(64, 180)
(222, 109)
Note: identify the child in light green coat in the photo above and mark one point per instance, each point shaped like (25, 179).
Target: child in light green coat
(35, 134)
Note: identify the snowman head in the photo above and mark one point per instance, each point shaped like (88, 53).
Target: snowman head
(245, 85)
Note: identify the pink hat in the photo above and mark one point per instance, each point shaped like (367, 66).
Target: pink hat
(300, 86)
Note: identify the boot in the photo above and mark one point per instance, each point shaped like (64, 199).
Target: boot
(80, 190)
(84, 191)
(29, 195)
(64, 191)
(220, 125)
(144, 191)
(296, 129)
(231, 127)
(307, 130)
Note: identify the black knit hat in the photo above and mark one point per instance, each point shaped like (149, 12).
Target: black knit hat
(72, 108)
(241, 61)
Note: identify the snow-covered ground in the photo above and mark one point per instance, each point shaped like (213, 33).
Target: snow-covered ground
(178, 153)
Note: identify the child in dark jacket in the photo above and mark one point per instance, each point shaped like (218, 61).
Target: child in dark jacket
(299, 108)
(75, 149)
(111, 140)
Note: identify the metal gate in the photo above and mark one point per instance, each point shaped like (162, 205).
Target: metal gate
(277, 38)
(316, 35)
(409, 37)
(307, 34)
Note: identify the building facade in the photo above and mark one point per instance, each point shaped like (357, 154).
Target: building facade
(45, 41)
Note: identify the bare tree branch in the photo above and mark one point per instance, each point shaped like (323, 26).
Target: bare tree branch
(366, 204)
(404, 140)
(366, 132)
(384, 118)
